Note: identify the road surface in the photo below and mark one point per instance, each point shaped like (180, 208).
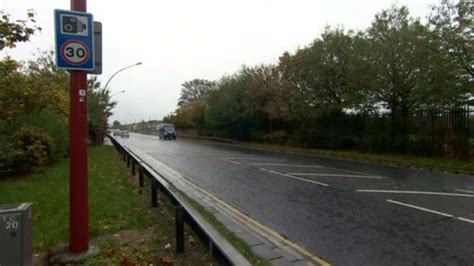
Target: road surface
(345, 212)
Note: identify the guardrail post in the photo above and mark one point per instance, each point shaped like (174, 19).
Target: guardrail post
(128, 161)
(154, 193)
(210, 247)
(179, 229)
(140, 176)
(133, 168)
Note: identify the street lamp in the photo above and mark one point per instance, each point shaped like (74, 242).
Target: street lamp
(122, 91)
(120, 70)
(99, 141)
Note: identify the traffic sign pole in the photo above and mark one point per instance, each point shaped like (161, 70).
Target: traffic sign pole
(78, 140)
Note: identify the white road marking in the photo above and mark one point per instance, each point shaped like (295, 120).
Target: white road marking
(294, 177)
(254, 158)
(464, 191)
(431, 211)
(420, 208)
(354, 172)
(415, 192)
(289, 165)
(230, 161)
(336, 175)
(466, 220)
(221, 154)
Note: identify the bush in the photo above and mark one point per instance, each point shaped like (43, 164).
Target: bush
(377, 136)
(426, 147)
(330, 130)
(276, 137)
(8, 155)
(55, 126)
(33, 149)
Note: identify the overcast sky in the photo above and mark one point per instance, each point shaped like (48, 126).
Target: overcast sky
(180, 40)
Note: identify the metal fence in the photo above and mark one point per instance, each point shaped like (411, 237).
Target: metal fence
(448, 130)
(440, 132)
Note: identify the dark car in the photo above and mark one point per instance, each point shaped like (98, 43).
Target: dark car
(166, 131)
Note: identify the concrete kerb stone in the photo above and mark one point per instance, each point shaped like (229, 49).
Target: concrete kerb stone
(289, 256)
(250, 239)
(63, 256)
(266, 252)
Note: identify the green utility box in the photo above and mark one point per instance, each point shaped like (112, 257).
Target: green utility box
(16, 235)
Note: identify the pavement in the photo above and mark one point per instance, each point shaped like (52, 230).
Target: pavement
(294, 209)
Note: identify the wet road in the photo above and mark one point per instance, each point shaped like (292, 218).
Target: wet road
(345, 212)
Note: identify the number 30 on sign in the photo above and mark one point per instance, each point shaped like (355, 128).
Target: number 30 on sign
(74, 52)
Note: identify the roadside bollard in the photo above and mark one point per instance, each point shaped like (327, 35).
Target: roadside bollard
(179, 229)
(154, 193)
(128, 161)
(140, 176)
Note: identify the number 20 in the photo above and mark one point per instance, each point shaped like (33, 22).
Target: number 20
(12, 225)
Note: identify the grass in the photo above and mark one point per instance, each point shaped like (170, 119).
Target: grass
(112, 206)
(121, 221)
(442, 164)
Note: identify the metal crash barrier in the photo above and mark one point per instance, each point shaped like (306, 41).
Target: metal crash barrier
(222, 250)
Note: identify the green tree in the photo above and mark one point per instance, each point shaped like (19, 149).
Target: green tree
(12, 32)
(290, 100)
(454, 28)
(194, 90)
(99, 108)
(225, 113)
(34, 107)
(405, 69)
(192, 103)
(326, 71)
(116, 124)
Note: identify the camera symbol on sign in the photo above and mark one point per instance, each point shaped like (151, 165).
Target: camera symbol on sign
(76, 25)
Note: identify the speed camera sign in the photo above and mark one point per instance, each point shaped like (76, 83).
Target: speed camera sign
(74, 40)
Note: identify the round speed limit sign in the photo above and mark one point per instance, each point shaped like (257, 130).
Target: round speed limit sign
(74, 52)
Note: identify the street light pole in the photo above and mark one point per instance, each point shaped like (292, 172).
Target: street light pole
(120, 70)
(117, 93)
(101, 140)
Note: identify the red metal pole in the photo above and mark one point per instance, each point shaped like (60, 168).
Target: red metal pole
(78, 140)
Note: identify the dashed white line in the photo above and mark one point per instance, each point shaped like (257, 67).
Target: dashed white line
(420, 208)
(254, 158)
(431, 211)
(288, 165)
(464, 191)
(416, 192)
(230, 161)
(336, 175)
(220, 154)
(465, 220)
(295, 177)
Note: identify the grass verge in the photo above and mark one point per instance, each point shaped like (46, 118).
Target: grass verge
(440, 164)
(121, 222)
(235, 241)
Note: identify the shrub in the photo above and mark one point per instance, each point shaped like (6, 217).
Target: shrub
(33, 149)
(54, 125)
(8, 155)
(276, 137)
(423, 146)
